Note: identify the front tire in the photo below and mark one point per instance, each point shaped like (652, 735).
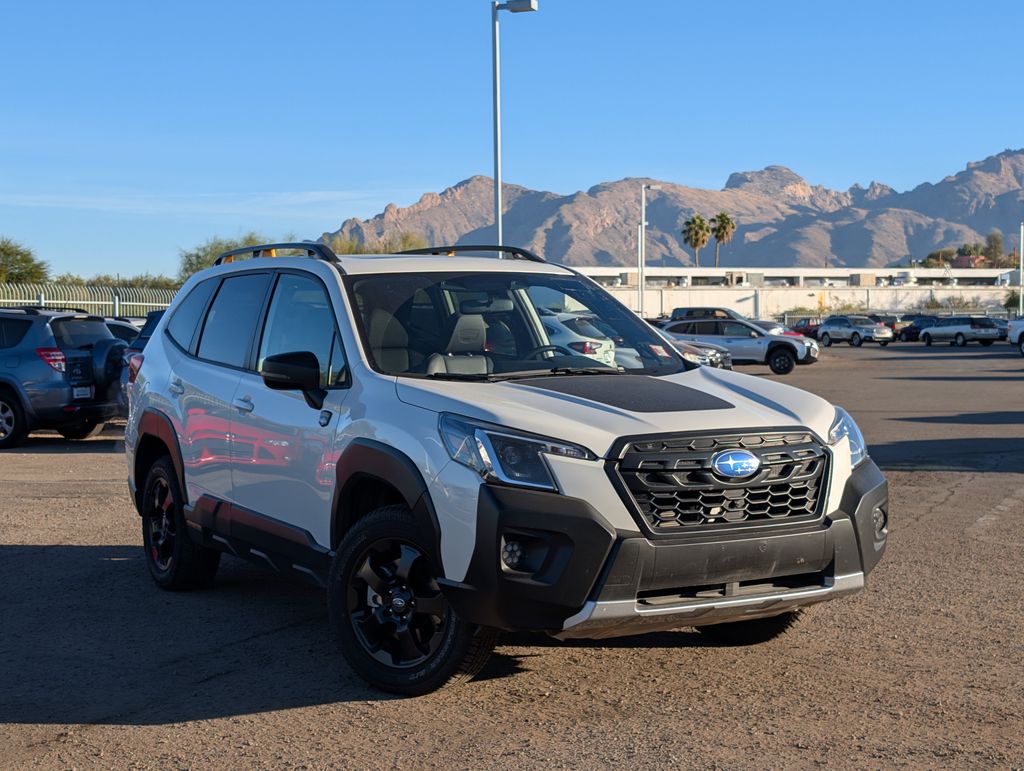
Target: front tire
(781, 361)
(87, 429)
(392, 623)
(986, 343)
(174, 560)
(883, 343)
(1020, 345)
(856, 340)
(752, 632)
(960, 340)
(904, 337)
(826, 340)
(926, 339)
(12, 421)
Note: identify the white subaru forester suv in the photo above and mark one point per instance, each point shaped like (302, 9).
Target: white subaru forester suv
(400, 430)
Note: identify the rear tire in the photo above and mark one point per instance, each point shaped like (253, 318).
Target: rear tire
(903, 337)
(752, 632)
(1020, 345)
(87, 429)
(391, 621)
(926, 339)
(960, 340)
(12, 421)
(174, 560)
(883, 343)
(856, 340)
(781, 361)
(986, 343)
(826, 340)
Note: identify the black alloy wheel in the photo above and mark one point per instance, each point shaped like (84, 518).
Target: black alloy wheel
(394, 604)
(160, 524)
(781, 361)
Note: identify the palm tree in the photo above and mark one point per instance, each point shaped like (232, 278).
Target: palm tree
(696, 232)
(722, 228)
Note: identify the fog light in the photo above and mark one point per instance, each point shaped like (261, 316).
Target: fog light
(512, 554)
(879, 519)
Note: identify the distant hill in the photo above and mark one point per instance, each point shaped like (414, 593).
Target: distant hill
(783, 220)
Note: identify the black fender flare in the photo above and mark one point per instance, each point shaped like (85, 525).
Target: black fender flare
(157, 424)
(780, 344)
(369, 459)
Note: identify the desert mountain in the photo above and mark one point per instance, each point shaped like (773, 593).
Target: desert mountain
(783, 220)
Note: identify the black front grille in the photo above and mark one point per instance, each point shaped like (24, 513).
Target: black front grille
(672, 485)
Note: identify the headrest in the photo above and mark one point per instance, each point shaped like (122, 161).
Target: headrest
(469, 335)
(385, 331)
(491, 305)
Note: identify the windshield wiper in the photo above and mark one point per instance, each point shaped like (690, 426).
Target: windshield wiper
(559, 371)
(477, 376)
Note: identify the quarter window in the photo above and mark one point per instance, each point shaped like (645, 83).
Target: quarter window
(189, 313)
(12, 331)
(232, 319)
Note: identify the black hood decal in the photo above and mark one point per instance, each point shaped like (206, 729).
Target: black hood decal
(636, 393)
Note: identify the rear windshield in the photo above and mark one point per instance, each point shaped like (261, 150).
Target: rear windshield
(79, 333)
(983, 322)
(584, 327)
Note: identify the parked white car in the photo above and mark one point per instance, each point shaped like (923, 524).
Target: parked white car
(1015, 334)
(402, 431)
(961, 330)
(580, 334)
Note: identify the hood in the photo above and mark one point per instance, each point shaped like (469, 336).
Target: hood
(595, 410)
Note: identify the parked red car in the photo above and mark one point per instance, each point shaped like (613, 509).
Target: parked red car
(807, 327)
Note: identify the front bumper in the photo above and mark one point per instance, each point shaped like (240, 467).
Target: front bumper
(582, 579)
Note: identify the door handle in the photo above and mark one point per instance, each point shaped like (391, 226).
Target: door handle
(176, 387)
(243, 405)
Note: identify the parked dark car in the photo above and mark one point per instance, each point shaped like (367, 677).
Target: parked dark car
(912, 332)
(122, 328)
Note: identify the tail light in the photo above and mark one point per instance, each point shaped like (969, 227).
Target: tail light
(54, 357)
(585, 347)
(134, 365)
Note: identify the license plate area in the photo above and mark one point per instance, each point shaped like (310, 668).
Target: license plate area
(82, 392)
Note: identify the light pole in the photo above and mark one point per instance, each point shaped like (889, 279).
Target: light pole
(1020, 274)
(642, 244)
(515, 6)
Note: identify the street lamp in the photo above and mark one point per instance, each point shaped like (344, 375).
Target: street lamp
(515, 6)
(641, 249)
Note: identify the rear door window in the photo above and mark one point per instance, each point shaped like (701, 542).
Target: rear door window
(79, 333)
(732, 329)
(12, 331)
(232, 319)
(705, 328)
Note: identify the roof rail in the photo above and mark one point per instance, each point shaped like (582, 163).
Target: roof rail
(33, 310)
(313, 249)
(514, 252)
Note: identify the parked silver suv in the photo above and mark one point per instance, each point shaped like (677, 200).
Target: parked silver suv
(354, 421)
(856, 330)
(747, 342)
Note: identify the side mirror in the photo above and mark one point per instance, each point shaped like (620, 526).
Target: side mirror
(295, 371)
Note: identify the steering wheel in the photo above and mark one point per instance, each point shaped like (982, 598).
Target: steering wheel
(536, 352)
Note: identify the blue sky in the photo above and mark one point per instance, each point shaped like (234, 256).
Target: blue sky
(131, 130)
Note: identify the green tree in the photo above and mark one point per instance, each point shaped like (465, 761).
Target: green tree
(722, 228)
(994, 249)
(202, 256)
(696, 233)
(105, 279)
(971, 250)
(1011, 301)
(386, 245)
(19, 265)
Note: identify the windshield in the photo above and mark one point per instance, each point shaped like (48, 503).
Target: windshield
(862, 321)
(499, 325)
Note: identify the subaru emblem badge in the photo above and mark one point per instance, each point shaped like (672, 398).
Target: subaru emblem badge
(735, 464)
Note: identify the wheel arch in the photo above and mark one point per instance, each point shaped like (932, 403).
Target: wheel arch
(157, 438)
(371, 474)
(775, 345)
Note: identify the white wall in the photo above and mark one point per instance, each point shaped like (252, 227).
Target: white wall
(770, 301)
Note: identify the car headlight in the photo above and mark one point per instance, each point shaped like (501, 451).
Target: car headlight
(694, 358)
(502, 454)
(842, 426)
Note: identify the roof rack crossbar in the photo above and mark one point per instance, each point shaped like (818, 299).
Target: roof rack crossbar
(313, 249)
(513, 252)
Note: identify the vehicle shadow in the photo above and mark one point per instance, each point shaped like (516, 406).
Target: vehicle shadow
(86, 637)
(55, 444)
(990, 454)
(1004, 418)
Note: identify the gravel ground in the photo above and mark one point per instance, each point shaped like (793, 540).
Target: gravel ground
(925, 668)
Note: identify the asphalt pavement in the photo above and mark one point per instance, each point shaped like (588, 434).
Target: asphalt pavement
(99, 669)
